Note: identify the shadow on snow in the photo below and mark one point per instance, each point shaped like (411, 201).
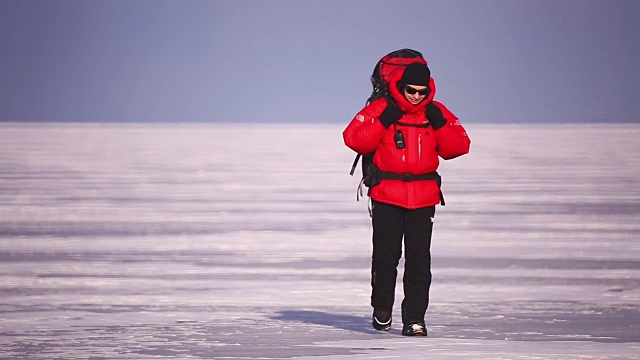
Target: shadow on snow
(339, 321)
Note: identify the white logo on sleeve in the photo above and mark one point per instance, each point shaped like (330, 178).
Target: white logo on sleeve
(360, 117)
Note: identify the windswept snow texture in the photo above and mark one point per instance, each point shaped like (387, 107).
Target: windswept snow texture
(132, 241)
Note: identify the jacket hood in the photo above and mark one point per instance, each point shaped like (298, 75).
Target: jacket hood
(402, 101)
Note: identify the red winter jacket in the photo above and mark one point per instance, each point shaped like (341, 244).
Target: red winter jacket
(366, 134)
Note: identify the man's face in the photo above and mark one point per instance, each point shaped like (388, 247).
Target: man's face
(415, 93)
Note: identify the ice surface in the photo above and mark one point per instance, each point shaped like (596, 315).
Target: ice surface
(223, 241)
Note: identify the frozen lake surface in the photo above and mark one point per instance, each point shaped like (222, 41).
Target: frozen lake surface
(219, 241)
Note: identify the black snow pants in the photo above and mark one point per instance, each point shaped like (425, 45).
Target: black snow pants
(390, 224)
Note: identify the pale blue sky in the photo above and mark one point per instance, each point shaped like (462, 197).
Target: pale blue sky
(310, 61)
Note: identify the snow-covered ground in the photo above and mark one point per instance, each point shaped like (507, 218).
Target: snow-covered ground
(132, 241)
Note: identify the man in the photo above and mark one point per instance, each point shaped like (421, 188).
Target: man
(408, 132)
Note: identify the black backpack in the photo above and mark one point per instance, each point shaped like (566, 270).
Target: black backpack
(385, 67)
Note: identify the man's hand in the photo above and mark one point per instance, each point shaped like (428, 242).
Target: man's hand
(435, 117)
(390, 114)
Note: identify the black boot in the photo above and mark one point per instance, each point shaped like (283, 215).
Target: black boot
(381, 320)
(416, 328)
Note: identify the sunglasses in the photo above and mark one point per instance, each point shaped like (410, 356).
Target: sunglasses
(410, 90)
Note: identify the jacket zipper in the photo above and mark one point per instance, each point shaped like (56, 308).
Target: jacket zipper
(419, 148)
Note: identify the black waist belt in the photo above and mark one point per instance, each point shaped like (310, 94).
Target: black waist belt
(385, 175)
(374, 176)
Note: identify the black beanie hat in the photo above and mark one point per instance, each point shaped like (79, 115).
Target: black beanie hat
(416, 74)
